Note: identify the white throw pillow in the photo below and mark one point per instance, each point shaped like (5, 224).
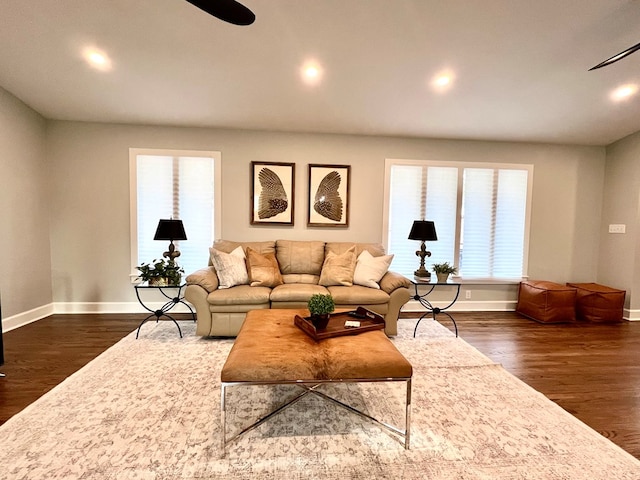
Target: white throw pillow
(230, 267)
(370, 270)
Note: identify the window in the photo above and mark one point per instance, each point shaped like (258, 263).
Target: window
(182, 185)
(481, 213)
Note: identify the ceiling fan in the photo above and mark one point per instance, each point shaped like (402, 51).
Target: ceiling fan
(226, 10)
(617, 57)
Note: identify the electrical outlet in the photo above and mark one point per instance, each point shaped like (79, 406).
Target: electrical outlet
(467, 294)
(617, 228)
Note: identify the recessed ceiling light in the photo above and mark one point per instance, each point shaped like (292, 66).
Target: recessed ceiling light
(311, 72)
(443, 81)
(624, 92)
(97, 59)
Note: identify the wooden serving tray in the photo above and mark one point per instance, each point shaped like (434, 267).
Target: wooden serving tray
(336, 328)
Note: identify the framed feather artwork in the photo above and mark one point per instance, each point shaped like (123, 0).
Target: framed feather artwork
(329, 195)
(272, 193)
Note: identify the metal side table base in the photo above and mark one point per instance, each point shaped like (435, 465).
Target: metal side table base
(162, 312)
(431, 310)
(158, 314)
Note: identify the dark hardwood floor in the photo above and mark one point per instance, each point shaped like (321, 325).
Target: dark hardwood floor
(591, 370)
(40, 355)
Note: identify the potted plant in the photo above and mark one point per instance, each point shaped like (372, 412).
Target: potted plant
(443, 270)
(161, 273)
(320, 306)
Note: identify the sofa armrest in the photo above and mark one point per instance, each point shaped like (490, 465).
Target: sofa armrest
(205, 277)
(392, 281)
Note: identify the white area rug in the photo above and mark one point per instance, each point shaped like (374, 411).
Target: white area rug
(150, 409)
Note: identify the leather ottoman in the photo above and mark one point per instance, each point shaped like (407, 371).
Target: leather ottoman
(598, 303)
(546, 302)
(271, 350)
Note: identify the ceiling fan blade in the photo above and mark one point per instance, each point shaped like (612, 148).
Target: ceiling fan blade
(227, 10)
(617, 57)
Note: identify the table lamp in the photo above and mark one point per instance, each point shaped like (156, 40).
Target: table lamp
(170, 230)
(423, 230)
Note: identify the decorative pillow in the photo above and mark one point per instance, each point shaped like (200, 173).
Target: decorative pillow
(263, 269)
(338, 269)
(230, 267)
(370, 270)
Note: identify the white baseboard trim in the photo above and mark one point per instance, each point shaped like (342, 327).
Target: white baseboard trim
(464, 306)
(631, 315)
(24, 318)
(38, 313)
(113, 307)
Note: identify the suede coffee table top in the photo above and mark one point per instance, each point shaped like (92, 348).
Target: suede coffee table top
(271, 348)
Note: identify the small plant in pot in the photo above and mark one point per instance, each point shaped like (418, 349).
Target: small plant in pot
(320, 306)
(161, 273)
(443, 270)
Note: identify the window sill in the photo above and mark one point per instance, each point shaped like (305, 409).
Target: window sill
(487, 281)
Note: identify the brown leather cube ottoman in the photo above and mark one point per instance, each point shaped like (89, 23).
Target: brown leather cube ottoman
(271, 350)
(598, 303)
(546, 302)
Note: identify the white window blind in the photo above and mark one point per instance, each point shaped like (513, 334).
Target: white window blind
(494, 207)
(480, 213)
(179, 186)
(405, 189)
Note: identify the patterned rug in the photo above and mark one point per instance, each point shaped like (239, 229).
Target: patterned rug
(150, 409)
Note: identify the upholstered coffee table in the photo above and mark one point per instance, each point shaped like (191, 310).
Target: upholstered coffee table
(271, 350)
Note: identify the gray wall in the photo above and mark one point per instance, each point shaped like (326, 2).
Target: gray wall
(88, 166)
(25, 274)
(619, 260)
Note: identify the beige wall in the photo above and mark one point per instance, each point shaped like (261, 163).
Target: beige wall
(619, 260)
(90, 195)
(25, 272)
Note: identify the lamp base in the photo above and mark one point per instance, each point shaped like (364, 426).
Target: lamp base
(422, 273)
(172, 253)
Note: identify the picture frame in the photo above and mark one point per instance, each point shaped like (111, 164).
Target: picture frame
(272, 193)
(329, 201)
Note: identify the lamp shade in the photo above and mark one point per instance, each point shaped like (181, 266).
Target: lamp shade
(423, 230)
(170, 230)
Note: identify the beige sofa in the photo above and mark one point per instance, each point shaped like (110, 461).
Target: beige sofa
(303, 271)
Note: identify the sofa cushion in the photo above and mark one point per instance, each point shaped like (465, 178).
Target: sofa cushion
(263, 269)
(338, 269)
(375, 249)
(357, 295)
(300, 257)
(230, 267)
(369, 269)
(240, 294)
(296, 292)
(301, 278)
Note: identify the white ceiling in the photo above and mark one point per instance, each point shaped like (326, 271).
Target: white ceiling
(520, 66)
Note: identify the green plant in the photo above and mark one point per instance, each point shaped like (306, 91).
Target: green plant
(444, 268)
(161, 269)
(320, 304)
